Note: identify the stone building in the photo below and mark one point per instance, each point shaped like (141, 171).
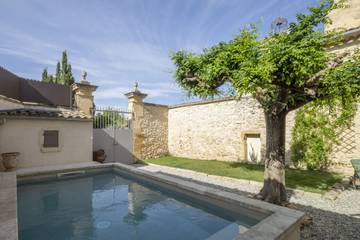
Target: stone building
(41, 121)
(229, 129)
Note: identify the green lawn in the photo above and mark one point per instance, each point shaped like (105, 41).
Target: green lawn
(310, 181)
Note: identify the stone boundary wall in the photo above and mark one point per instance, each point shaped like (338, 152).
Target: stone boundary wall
(214, 130)
(154, 130)
(217, 130)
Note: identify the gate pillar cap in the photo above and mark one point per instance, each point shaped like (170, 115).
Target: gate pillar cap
(136, 94)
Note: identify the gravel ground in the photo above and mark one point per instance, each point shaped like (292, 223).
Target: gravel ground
(339, 219)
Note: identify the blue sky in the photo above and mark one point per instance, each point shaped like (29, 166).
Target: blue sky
(121, 41)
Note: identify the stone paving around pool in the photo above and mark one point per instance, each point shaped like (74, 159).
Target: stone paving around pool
(339, 219)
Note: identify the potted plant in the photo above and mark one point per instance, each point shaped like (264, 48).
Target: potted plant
(10, 160)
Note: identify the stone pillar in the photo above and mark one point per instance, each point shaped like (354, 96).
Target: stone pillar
(136, 107)
(83, 98)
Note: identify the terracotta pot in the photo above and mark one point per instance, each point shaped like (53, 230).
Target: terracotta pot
(10, 160)
(99, 156)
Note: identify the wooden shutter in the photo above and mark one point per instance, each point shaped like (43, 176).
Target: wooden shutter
(51, 139)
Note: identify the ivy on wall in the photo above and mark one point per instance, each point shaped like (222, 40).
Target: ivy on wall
(316, 132)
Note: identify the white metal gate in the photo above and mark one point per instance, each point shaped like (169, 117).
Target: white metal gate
(112, 133)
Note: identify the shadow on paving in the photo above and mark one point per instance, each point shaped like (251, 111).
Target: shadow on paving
(326, 225)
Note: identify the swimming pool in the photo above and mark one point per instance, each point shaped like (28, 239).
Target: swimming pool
(107, 205)
(117, 201)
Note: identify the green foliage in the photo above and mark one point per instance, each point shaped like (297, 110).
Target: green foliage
(63, 73)
(316, 132)
(51, 79)
(318, 124)
(66, 71)
(58, 73)
(44, 76)
(276, 69)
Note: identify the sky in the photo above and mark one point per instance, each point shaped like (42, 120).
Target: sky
(118, 42)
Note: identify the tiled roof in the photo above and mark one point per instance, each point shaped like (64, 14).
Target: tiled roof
(44, 113)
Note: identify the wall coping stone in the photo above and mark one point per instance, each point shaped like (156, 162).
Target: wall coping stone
(156, 104)
(202, 102)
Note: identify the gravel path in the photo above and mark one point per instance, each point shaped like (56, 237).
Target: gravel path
(339, 219)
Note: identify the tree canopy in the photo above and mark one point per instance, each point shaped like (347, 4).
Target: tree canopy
(63, 74)
(283, 71)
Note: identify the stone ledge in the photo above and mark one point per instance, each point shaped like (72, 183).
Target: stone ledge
(203, 102)
(8, 206)
(155, 104)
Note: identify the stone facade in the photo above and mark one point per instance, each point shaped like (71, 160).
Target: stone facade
(154, 129)
(345, 18)
(348, 20)
(83, 98)
(214, 130)
(217, 130)
(136, 107)
(149, 126)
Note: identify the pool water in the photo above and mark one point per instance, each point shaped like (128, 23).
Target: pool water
(109, 206)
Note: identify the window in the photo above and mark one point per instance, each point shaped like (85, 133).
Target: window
(51, 139)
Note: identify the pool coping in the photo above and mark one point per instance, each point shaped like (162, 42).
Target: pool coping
(282, 223)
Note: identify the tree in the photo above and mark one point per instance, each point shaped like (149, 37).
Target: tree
(283, 72)
(69, 79)
(64, 67)
(66, 71)
(63, 73)
(51, 79)
(58, 73)
(44, 76)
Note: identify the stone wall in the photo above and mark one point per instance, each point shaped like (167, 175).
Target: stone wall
(214, 130)
(345, 18)
(154, 130)
(217, 130)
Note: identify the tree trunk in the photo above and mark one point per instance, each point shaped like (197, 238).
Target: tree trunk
(274, 176)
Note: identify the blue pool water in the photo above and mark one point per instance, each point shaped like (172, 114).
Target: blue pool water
(109, 206)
